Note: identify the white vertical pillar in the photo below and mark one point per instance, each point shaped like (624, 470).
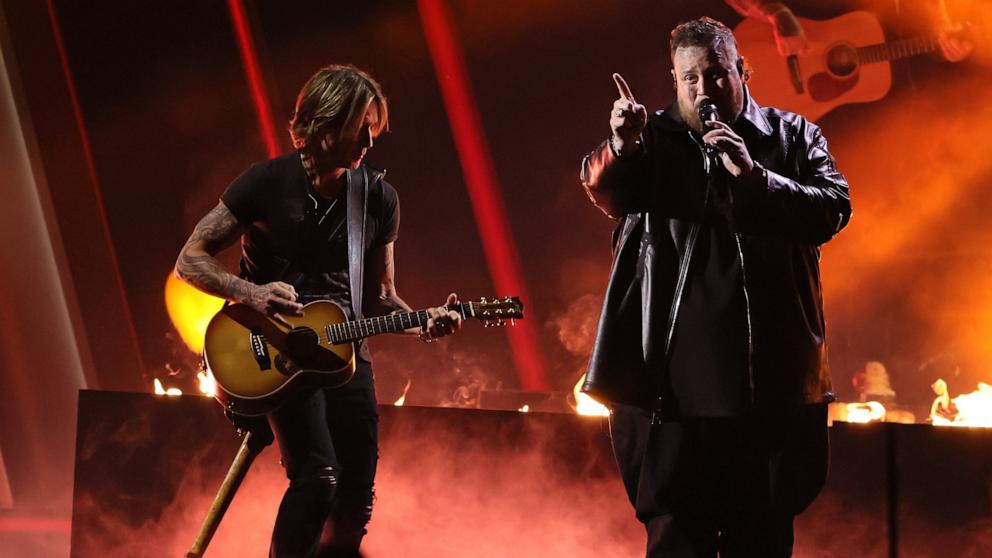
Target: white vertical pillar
(40, 363)
(6, 499)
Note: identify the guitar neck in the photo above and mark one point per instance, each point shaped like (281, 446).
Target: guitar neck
(894, 50)
(346, 332)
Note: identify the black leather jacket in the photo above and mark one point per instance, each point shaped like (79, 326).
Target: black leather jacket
(795, 201)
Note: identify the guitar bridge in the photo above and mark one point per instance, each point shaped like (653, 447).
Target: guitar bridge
(259, 349)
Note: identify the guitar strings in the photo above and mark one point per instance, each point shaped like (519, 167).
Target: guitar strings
(368, 324)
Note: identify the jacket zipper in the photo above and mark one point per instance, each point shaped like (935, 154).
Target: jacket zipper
(684, 271)
(747, 316)
(680, 285)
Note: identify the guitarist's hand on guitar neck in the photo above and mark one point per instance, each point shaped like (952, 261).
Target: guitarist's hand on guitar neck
(789, 36)
(790, 40)
(273, 299)
(443, 321)
(951, 37)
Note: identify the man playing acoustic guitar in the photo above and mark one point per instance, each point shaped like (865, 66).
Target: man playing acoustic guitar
(317, 224)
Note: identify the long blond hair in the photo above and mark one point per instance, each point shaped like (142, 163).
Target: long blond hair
(332, 100)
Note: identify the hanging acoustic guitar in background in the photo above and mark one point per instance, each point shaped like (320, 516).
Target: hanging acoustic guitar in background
(847, 62)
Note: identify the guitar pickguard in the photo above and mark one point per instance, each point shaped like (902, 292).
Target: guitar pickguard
(824, 87)
(286, 366)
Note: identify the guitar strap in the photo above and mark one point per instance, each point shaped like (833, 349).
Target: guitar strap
(358, 202)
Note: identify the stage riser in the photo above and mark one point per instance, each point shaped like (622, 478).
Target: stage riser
(456, 482)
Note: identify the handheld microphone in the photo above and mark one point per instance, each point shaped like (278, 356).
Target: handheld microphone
(707, 111)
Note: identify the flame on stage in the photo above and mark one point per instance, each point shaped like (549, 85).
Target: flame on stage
(869, 411)
(402, 400)
(968, 409)
(585, 405)
(206, 383)
(160, 389)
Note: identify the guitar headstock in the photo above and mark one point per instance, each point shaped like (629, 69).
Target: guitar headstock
(495, 312)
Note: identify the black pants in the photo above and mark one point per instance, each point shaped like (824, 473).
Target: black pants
(329, 446)
(728, 485)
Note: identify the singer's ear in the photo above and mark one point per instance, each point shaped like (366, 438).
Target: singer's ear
(742, 69)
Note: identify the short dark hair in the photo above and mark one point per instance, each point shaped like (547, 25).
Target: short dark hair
(704, 32)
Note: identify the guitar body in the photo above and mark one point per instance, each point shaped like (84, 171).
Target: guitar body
(258, 364)
(829, 69)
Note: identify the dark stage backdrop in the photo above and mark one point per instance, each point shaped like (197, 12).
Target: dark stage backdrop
(165, 101)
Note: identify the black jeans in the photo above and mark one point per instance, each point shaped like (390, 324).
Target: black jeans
(728, 485)
(329, 445)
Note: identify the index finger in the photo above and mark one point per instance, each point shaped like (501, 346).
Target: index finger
(284, 292)
(623, 88)
(287, 287)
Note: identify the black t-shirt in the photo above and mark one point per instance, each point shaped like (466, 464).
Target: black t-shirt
(299, 237)
(708, 364)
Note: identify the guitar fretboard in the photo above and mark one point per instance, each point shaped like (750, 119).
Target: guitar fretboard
(346, 332)
(895, 50)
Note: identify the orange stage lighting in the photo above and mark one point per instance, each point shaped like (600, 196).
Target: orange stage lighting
(190, 311)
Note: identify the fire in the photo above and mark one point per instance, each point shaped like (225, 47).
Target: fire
(190, 311)
(402, 400)
(524, 409)
(585, 405)
(160, 390)
(869, 411)
(968, 409)
(207, 384)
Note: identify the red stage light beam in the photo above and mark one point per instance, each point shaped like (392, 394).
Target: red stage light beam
(480, 178)
(84, 139)
(253, 75)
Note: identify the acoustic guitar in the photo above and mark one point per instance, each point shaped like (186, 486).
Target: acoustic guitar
(847, 62)
(259, 363)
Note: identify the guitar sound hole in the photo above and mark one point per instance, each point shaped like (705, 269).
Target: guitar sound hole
(842, 60)
(301, 342)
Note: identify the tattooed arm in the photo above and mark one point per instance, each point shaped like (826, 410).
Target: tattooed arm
(197, 266)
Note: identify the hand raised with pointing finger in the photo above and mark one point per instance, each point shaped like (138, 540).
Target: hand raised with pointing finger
(627, 119)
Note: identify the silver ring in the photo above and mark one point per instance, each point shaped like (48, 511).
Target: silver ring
(619, 112)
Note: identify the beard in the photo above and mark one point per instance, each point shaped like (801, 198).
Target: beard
(731, 104)
(689, 114)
